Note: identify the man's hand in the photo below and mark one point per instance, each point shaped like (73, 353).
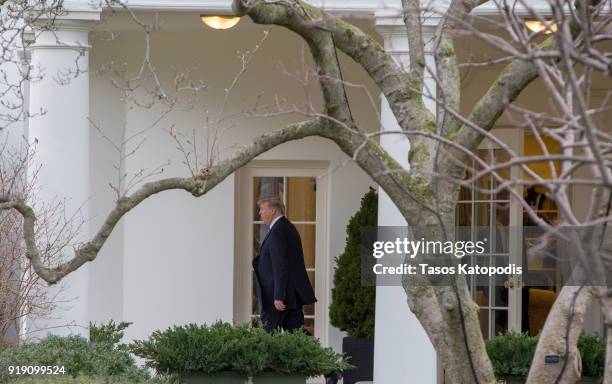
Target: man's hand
(279, 305)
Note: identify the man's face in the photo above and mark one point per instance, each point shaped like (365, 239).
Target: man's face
(266, 213)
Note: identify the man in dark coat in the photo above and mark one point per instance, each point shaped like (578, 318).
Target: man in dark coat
(282, 284)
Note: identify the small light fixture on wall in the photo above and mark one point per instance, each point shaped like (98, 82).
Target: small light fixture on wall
(547, 27)
(220, 22)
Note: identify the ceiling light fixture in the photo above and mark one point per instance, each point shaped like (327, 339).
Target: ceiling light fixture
(538, 26)
(220, 22)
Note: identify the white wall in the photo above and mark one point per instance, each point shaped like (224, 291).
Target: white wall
(171, 259)
(108, 114)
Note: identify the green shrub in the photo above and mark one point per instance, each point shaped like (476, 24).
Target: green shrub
(110, 333)
(63, 380)
(202, 348)
(77, 355)
(298, 352)
(592, 352)
(85, 380)
(511, 354)
(243, 349)
(353, 306)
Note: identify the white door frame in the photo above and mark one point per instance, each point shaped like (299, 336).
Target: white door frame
(244, 234)
(514, 139)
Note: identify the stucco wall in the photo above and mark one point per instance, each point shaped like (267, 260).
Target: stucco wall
(171, 259)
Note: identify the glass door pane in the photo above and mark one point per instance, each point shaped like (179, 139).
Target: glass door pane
(302, 199)
(539, 297)
(483, 213)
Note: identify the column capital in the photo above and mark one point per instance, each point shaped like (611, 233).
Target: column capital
(76, 10)
(389, 22)
(65, 34)
(69, 29)
(395, 35)
(390, 25)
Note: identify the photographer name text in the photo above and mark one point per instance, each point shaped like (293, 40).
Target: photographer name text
(428, 248)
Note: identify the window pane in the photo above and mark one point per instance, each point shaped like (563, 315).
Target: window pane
(484, 322)
(259, 233)
(500, 321)
(311, 277)
(308, 235)
(309, 326)
(465, 193)
(483, 218)
(500, 239)
(309, 310)
(533, 148)
(464, 214)
(481, 296)
(302, 198)
(254, 309)
(266, 187)
(500, 298)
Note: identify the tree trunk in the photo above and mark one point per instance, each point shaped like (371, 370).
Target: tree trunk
(447, 311)
(560, 337)
(470, 362)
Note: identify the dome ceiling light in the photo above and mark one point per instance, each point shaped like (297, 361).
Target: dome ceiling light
(220, 22)
(539, 26)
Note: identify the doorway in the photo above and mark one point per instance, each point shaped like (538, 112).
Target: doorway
(506, 303)
(302, 186)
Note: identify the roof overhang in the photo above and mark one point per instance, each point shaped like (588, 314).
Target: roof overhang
(356, 8)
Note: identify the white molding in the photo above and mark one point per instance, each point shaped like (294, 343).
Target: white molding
(373, 8)
(79, 10)
(60, 45)
(360, 8)
(542, 7)
(224, 7)
(289, 164)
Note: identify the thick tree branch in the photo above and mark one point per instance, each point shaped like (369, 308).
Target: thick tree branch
(447, 68)
(506, 88)
(412, 19)
(197, 186)
(399, 88)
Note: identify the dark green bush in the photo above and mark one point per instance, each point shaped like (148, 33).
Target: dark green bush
(592, 352)
(77, 355)
(85, 380)
(110, 333)
(353, 306)
(202, 348)
(242, 349)
(511, 353)
(298, 352)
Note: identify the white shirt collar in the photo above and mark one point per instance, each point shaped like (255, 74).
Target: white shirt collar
(275, 220)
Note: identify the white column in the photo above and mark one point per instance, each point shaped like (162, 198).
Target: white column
(61, 136)
(402, 350)
(14, 96)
